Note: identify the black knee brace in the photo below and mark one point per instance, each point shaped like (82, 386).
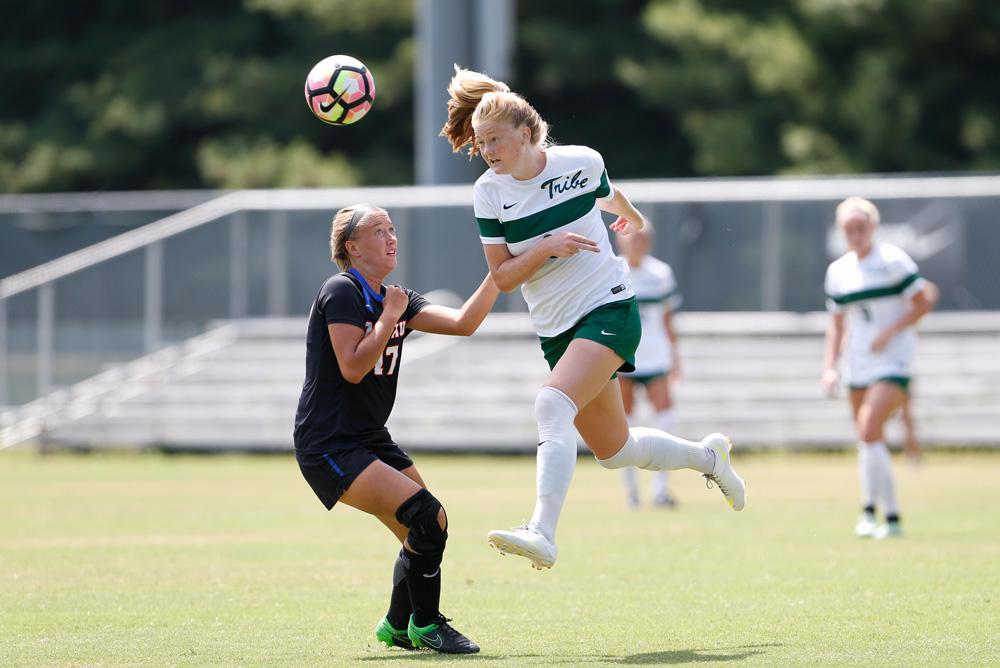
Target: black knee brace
(419, 514)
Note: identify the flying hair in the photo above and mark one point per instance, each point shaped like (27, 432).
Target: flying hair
(475, 97)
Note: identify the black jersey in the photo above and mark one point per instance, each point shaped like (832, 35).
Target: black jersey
(332, 412)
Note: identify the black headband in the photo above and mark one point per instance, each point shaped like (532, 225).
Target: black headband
(359, 213)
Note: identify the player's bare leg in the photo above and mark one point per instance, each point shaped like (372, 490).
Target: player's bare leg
(911, 443)
(881, 400)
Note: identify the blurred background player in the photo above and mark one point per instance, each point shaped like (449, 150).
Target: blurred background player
(876, 295)
(538, 208)
(911, 442)
(354, 347)
(657, 361)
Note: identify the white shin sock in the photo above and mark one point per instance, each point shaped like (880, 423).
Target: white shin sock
(631, 481)
(629, 476)
(880, 463)
(666, 422)
(866, 475)
(556, 459)
(656, 450)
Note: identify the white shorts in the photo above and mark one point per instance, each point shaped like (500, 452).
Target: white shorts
(870, 369)
(644, 376)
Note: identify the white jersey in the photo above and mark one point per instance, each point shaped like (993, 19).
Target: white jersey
(562, 198)
(874, 292)
(656, 292)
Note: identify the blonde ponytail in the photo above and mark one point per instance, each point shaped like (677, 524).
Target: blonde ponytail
(476, 97)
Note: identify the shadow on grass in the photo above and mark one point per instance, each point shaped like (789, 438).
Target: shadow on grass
(681, 656)
(427, 655)
(665, 658)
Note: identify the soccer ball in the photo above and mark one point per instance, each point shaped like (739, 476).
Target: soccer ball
(340, 90)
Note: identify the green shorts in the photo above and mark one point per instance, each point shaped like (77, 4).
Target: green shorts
(615, 325)
(902, 381)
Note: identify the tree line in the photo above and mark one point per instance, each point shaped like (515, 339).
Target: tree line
(117, 94)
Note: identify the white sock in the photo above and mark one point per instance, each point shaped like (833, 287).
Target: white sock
(629, 477)
(665, 421)
(866, 474)
(885, 485)
(655, 450)
(556, 459)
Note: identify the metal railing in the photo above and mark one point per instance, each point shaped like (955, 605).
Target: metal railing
(234, 206)
(149, 239)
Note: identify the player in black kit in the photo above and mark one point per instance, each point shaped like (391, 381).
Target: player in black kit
(354, 346)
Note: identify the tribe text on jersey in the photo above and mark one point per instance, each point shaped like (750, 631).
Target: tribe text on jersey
(562, 198)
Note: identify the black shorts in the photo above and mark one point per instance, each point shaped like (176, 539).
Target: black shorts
(330, 473)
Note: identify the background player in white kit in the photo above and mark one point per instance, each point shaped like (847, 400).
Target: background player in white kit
(657, 359)
(876, 289)
(538, 208)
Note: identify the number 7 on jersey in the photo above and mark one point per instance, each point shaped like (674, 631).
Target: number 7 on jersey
(387, 365)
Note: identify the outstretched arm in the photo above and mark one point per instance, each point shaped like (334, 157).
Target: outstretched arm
(629, 218)
(464, 321)
(509, 271)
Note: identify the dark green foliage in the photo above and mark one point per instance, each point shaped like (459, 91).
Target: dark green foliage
(128, 95)
(154, 94)
(727, 87)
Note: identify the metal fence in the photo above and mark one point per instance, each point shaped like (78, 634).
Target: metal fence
(735, 245)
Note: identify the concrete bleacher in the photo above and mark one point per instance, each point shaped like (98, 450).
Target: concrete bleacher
(754, 376)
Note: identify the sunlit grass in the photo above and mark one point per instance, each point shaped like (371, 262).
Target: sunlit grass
(151, 560)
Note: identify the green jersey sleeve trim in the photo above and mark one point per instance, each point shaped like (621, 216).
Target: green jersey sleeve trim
(604, 188)
(490, 227)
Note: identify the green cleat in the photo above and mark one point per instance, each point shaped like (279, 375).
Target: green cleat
(385, 633)
(440, 637)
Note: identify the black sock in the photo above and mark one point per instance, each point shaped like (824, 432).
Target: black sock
(892, 519)
(399, 603)
(423, 576)
(869, 510)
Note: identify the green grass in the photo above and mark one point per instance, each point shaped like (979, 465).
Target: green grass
(150, 560)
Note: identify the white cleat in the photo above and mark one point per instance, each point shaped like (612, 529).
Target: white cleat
(866, 526)
(525, 541)
(888, 530)
(731, 485)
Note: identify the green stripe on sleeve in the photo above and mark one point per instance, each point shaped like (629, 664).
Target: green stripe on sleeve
(604, 189)
(490, 227)
(875, 293)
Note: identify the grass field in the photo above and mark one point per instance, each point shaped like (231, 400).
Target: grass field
(151, 560)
